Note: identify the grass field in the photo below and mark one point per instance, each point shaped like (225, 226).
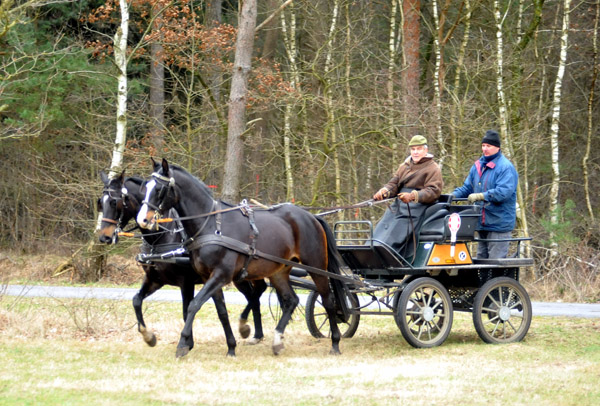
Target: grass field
(87, 352)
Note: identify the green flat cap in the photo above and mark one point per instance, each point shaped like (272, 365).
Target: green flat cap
(417, 140)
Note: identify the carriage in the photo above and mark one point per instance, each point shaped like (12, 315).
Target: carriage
(352, 274)
(422, 292)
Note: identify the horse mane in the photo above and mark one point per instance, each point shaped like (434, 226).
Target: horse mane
(201, 185)
(138, 182)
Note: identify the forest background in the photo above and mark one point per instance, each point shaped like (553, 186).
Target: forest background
(335, 88)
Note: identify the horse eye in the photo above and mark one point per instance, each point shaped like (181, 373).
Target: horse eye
(99, 204)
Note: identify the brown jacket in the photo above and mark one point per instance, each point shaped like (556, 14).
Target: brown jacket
(427, 179)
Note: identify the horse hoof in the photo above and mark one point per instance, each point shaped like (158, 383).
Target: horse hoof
(182, 352)
(231, 354)
(149, 337)
(335, 351)
(245, 330)
(277, 349)
(254, 341)
(150, 340)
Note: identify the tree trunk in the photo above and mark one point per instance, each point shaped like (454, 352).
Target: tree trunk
(289, 39)
(555, 121)
(120, 50)
(94, 250)
(590, 132)
(457, 112)
(157, 90)
(411, 71)
(437, 86)
(392, 46)
(237, 101)
(262, 133)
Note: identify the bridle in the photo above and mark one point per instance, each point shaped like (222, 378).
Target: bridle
(166, 185)
(120, 206)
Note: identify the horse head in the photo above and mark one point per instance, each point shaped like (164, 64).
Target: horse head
(160, 195)
(172, 187)
(119, 203)
(110, 204)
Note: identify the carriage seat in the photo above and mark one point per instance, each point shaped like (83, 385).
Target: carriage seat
(435, 224)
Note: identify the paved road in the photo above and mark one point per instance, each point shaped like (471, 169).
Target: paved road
(170, 295)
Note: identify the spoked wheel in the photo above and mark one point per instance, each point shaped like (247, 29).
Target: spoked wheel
(424, 313)
(501, 311)
(275, 308)
(317, 319)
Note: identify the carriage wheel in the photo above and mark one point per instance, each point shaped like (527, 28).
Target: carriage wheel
(502, 311)
(317, 319)
(275, 308)
(424, 313)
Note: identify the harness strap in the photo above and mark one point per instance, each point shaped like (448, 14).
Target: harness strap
(246, 249)
(248, 212)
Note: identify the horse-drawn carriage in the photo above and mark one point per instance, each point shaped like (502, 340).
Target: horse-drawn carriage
(439, 277)
(352, 273)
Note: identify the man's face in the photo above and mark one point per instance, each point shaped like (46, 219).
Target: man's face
(489, 149)
(417, 152)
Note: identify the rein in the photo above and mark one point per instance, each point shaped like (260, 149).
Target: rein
(212, 213)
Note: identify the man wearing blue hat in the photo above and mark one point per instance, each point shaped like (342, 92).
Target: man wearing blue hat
(492, 183)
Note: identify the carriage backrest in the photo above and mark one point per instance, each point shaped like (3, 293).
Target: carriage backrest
(435, 224)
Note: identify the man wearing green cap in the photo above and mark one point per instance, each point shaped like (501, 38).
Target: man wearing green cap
(417, 183)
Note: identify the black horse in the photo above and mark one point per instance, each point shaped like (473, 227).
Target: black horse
(228, 244)
(120, 202)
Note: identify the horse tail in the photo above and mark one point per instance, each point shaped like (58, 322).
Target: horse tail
(334, 260)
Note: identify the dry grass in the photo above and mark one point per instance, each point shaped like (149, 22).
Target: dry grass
(49, 358)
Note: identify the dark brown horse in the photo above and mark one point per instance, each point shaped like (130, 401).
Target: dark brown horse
(120, 202)
(228, 244)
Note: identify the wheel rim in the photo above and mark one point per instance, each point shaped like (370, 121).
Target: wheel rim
(426, 316)
(321, 319)
(505, 314)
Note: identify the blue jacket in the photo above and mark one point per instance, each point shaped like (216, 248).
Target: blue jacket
(497, 180)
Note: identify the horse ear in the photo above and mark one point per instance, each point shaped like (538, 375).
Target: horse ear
(155, 164)
(104, 178)
(122, 177)
(165, 167)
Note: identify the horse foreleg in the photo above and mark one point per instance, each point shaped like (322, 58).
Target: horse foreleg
(148, 288)
(186, 341)
(219, 300)
(187, 294)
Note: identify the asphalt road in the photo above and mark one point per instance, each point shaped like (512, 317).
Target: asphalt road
(582, 310)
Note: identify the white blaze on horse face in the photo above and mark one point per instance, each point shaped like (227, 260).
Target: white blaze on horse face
(104, 200)
(141, 217)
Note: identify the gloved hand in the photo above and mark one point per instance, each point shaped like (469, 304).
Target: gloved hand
(383, 193)
(474, 197)
(406, 197)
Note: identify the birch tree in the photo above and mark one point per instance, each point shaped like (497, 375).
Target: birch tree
(437, 85)
(289, 38)
(498, 18)
(120, 51)
(238, 100)
(457, 111)
(392, 52)
(590, 109)
(555, 120)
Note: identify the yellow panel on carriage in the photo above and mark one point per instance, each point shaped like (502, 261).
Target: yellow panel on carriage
(441, 255)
